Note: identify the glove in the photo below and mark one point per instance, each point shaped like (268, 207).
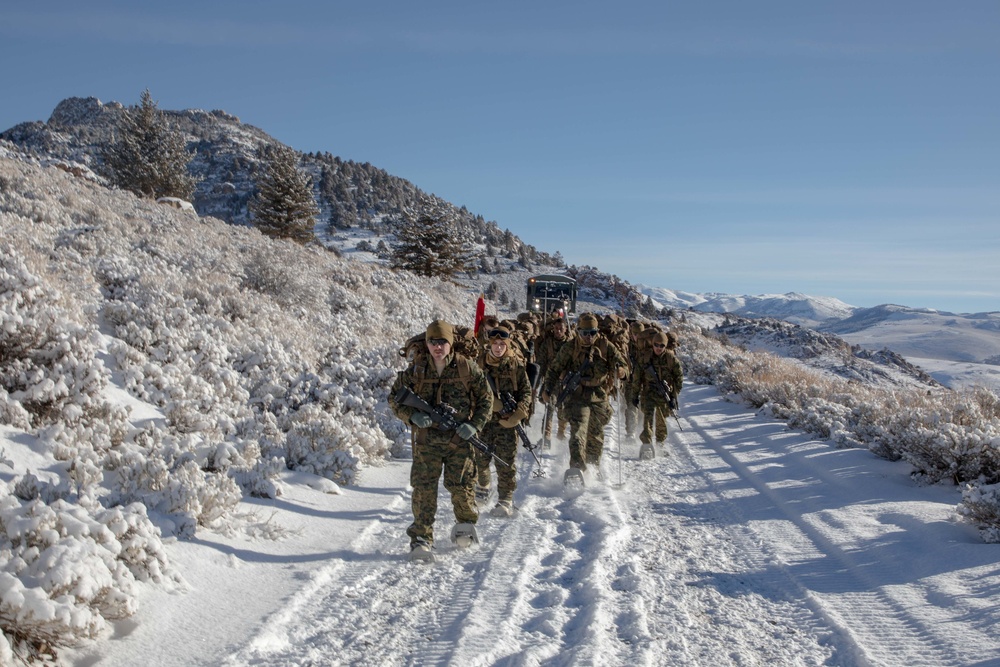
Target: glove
(621, 372)
(465, 430)
(510, 421)
(421, 420)
(544, 396)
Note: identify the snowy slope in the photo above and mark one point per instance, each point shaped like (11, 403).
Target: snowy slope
(924, 333)
(748, 544)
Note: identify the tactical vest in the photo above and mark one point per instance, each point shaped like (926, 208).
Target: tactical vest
(580, 354)
(423, 377)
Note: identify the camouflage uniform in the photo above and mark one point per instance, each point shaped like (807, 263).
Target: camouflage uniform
(545, 353)
(587, 409)
(466, 390)
(508, 375)
(629, 405)
(655, 407)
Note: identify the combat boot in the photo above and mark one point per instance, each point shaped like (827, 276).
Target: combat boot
(504, 508)
(464, 535)
(420, 551)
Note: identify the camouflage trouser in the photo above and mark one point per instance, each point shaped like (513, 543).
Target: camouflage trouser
(631, 417)
(559, 416)
(586, 431)
(654, 418)
(631, 411)
(429, 459)
(505, 441)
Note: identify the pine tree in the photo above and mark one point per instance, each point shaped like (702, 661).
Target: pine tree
(432, 246)
(648, 308)
(283, 207)
(147, 156)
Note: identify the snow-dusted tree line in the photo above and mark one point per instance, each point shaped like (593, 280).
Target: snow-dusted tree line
(951, 436)
(259, 355)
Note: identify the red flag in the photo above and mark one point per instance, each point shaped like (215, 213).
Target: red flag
(480, 312)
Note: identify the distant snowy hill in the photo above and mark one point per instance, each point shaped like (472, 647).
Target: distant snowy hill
(957, 350)
(923, 333)
(809, 311)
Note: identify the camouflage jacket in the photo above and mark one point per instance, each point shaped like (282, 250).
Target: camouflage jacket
(668, 368)
(508, 375)
(599, 376)
(464, 389)
(547, 347)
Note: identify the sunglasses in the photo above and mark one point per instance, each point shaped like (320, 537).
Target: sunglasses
(499, 333)
(588, 332)
(658, 345)
(437, 342)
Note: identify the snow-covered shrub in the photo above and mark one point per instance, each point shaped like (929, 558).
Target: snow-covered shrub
(50, 375)
(162, 473)
(275, 276)
(332, 446)
(980, 506)
(66, 569)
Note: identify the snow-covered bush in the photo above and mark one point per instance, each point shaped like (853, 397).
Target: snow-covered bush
(332, 446)
(980, 506)
(66, 569)
(49, 370)
(944, 435)
(162, 472)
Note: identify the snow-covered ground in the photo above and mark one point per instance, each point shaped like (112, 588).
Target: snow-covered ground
(961, 375)
(744, 544)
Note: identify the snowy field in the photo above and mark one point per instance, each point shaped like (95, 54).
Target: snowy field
(959, 374)
(744, 544)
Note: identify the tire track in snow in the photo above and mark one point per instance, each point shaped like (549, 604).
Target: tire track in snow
(882, 630)
(686, 574)
(630, 577)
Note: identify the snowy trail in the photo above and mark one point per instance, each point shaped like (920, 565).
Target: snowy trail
(878, 602)
(710, 555)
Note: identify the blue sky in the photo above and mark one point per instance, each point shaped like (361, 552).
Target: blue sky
(845, 149)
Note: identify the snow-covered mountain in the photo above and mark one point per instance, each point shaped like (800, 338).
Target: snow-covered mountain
(956, 349)
(226, 162)
(924, 333)
(809, 311)
(361, 204)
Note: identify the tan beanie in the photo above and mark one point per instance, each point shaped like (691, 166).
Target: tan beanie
(441, 329)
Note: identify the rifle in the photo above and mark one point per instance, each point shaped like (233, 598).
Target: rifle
(509, 404)
(443, 417)
(665, 392)
(572, 381)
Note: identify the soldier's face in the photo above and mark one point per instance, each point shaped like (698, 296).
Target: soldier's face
(659, 348)
(498, 346)
(439, 348)
(559, 330)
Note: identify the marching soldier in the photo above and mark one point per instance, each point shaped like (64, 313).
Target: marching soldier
(507, 378)
(442, 377)
(557, 334)
(594, 366)
(660, 365)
